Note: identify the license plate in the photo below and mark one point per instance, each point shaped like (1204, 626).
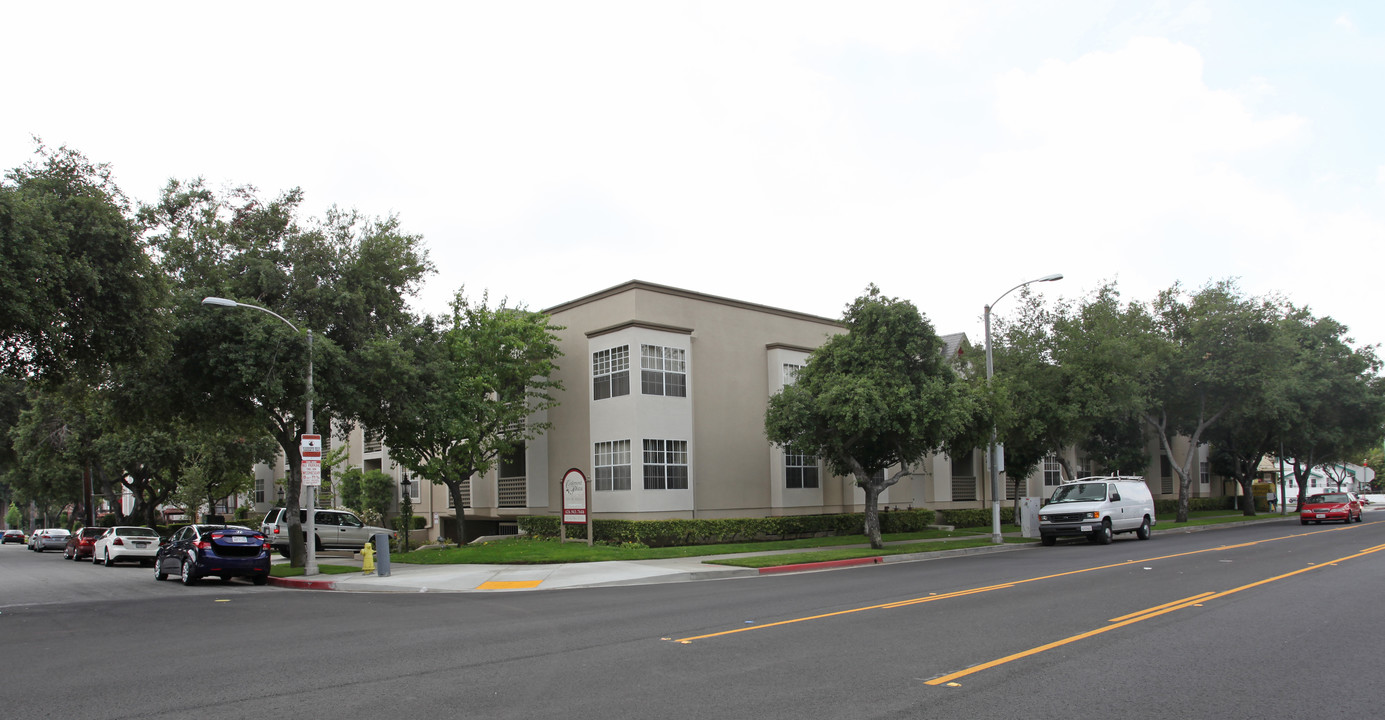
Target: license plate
(140, 544)
(1086, 528)
(1322, 515)
(237, 539)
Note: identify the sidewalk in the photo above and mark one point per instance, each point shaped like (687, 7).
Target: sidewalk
(407, 578)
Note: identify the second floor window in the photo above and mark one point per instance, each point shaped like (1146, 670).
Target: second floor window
(611, 373)
(664, 371)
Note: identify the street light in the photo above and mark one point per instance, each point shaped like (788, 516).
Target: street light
(996, 454)
(310, 523)
(406, 510)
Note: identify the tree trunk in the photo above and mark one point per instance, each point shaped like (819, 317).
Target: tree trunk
(454, 488)
(872, 491)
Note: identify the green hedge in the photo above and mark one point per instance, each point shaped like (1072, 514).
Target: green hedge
(975, 517)
(665, 533)
(1169, 508)
(419, 522)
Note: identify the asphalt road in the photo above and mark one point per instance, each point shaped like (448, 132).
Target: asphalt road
(1271, 620)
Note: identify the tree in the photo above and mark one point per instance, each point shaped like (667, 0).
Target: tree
(367, 492)
(1333, 397)
(1212, 350)
(343, 277)
(880, 395)
(78, 289)
(464, 396)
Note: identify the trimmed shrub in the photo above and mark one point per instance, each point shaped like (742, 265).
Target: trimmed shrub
(666, 533)
(975, 517)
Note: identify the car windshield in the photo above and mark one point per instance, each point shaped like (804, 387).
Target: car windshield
(1329, 498)
(1083, 492)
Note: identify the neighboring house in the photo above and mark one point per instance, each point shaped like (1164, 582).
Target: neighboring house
(1352, 477)
(663, 411)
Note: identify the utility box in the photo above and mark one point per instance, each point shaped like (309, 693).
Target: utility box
(1029, 516)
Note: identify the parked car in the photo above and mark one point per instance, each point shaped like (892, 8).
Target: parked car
(336, 530)
(13, 536)
(1330, 507)
(79, 545)
(126, 542)
(225, 551)
(1098, 508)
(49, 539)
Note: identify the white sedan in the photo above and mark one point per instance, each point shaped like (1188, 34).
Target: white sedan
(126, 543)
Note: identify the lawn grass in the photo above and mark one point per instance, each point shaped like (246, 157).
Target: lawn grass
(539, 551)
(527, 551)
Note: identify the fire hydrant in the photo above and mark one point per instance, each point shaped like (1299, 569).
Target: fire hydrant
(368, 555)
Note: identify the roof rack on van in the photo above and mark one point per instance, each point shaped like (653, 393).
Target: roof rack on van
(1105, 478)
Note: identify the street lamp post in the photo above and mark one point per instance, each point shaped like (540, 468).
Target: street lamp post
(995, 454)
(406, 511)
(310, 521)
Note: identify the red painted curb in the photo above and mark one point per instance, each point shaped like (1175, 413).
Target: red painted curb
(822, 565)
(302, 584)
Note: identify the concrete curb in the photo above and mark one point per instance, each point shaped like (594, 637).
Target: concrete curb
(823, 565)
(300, 583)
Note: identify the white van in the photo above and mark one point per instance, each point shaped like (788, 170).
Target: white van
(1098, 508)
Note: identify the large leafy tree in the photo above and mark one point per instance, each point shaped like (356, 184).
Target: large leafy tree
(77, 287)
(344, 277)
(1333, 397)
(879, 396)
(1214, 350)
(468, 390)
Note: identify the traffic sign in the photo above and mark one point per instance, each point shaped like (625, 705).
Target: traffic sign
(312, 473)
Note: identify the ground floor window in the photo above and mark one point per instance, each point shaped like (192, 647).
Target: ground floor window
(665, 464)
(612, 465)
(800, 471)
(1053, 471)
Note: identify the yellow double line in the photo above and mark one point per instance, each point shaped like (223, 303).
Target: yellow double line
(988, 588)
(1132, 618)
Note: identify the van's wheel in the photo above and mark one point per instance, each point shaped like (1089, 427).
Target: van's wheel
(1048, 540)
(1103, 534)
(283, 552)
(1143, 531)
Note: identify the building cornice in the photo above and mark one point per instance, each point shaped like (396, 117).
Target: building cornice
(690, 295)
(639, 324)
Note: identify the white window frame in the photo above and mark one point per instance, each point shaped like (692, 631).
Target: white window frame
(609, 368)
(663, 461)
(659, 365)
(611, 463)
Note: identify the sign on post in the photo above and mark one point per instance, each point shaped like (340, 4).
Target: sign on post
(575, 500)
(310, 450)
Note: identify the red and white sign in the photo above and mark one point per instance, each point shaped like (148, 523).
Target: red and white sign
(310, 449)
(574, 497)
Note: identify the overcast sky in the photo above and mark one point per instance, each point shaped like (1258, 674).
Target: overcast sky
(787, 154)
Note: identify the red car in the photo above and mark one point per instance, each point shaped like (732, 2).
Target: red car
(1329, 507)
(80, 544)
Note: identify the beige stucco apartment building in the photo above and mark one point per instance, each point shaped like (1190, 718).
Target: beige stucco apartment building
(663, 411)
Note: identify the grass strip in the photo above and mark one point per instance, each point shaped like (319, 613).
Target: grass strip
(763, 561)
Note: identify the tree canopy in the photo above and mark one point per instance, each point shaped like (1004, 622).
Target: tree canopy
(879, 396)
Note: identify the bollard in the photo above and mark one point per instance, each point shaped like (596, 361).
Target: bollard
(368, 559)
(382, 551)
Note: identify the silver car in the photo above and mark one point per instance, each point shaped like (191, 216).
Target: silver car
(50, 539)
(336, 530)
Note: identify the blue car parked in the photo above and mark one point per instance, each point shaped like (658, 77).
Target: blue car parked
(225, 551)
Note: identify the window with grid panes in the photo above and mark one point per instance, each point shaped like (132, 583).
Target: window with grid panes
(1053, 471)
(612, 465)
(800, 471)
(665, 464)
(611, 373)
(663, 371)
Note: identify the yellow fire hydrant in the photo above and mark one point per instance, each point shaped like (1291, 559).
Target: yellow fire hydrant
(368, 556)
